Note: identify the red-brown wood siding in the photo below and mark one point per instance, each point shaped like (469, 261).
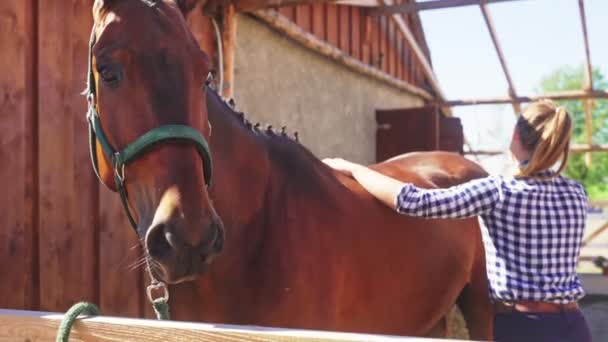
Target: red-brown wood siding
(64, 237)
(375, 41)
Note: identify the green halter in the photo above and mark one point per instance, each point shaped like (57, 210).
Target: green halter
(121, 158)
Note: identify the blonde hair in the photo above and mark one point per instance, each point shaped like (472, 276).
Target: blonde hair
(545, 130)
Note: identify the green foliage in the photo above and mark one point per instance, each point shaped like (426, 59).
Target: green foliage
(594, 178)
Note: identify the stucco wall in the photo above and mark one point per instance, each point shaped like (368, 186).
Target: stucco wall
(279, 82)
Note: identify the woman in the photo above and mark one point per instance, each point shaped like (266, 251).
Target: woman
(535, 222)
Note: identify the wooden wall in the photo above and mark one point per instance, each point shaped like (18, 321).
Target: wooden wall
(375, 41)
(63, 237)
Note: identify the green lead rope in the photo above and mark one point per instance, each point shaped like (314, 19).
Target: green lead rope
(160, 305)
(63, 334)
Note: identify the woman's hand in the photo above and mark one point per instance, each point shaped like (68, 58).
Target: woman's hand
(343, 166)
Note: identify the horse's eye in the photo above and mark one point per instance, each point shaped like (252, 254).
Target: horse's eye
(111, 76)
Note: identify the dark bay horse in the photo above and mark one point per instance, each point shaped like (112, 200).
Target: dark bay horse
(301, 246)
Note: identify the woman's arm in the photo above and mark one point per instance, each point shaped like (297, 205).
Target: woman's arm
(469, 199)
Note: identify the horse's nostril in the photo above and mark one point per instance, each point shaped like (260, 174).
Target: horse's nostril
(158, 242)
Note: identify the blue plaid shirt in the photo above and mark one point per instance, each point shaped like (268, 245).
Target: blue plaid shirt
(531, 228)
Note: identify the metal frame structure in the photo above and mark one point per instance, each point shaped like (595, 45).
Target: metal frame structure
(587, 94)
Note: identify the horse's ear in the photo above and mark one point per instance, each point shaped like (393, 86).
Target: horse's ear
(186, 6)
(101, 7)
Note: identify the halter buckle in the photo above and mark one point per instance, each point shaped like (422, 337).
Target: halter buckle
(160, 286)
(119, 168)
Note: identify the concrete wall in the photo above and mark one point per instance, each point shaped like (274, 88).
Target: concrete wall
(279, 82)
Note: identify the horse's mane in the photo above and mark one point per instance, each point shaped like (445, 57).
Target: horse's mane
(257, 127)
(299, 164)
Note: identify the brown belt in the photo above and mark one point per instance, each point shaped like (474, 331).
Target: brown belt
(538, 307)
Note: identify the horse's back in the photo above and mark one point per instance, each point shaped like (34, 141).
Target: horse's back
(431, 169)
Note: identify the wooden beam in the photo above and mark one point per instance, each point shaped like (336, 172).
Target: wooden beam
(588, 67)
(410, 7)
(501, 57)
(229, 41)
(566, 95)
(418, 53)
(17, 325)
(308, 40)
(252, 5)
(585, 148)
(574, 148)
(588, 104)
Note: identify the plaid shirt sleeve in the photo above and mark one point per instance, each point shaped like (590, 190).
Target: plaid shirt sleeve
(473, 198)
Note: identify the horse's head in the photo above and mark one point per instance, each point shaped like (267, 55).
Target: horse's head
(148, 119)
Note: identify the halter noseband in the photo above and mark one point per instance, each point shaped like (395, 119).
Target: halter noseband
(120, 158)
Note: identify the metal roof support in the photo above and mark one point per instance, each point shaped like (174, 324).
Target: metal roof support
(588, 104)
(564, 95)
(422, 6)
(419, 54)
(503, 63)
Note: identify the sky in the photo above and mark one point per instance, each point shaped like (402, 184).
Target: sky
(537, 37)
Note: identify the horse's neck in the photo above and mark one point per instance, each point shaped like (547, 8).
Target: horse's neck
(255, 177)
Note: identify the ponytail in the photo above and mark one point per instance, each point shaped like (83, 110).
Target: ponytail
(545, 130)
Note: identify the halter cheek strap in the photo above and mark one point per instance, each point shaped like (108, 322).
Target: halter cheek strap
(121, 158)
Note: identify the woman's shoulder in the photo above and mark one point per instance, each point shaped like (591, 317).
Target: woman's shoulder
(572, 184)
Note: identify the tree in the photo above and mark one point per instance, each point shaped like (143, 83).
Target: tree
(594, 178)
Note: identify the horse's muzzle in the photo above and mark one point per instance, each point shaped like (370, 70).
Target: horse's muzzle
(173, 259)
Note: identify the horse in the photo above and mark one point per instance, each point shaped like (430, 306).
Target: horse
(246, 225)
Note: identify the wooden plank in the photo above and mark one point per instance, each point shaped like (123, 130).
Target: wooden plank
(588, 105)
(308, 40)
(400, 60)
(202, 29)
(67, 210)
(588, 81)
(392, 43)
(588, 67)
(37, 326)
(383, 39)
(421, 58)
(501, 57)
(304, 17)
(121, 286)
(332, 24)
(289, 12)
(318, 21)
(229, 42)
(565, 95)
(366, 39)
(18, 108)
(411, 7)
(345, 29)
(355, 34)
(375, 48)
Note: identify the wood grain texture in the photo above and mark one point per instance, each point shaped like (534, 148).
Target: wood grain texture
(121, 287)
(229, 29)
(37, 326)
(383, 37)
(289, 12)
(318, 20)
(355, 34)
(18, 154)
(344, 28)
(303, 17)
(66, 212)
(332, 24)
(202, 29)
